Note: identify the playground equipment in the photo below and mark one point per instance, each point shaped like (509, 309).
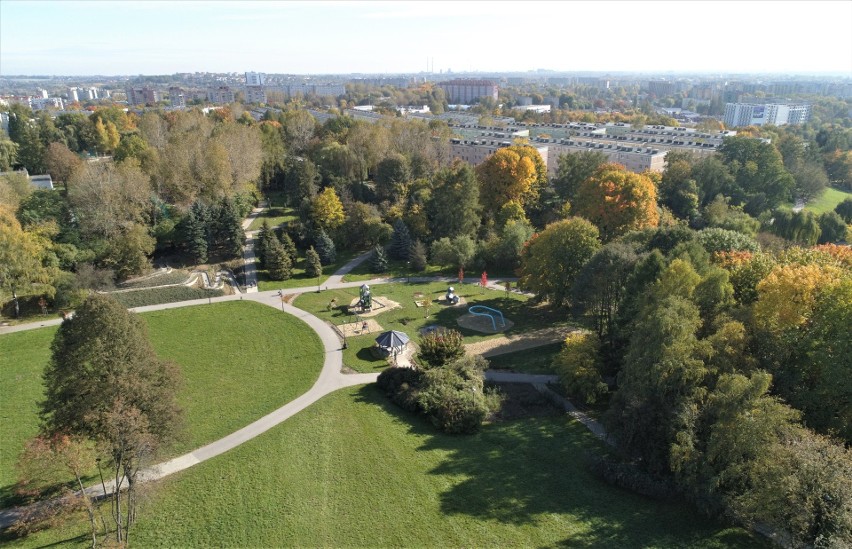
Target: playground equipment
(365, 300)
(482, 310)
(452, 298)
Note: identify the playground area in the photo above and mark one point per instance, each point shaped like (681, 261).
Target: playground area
(411, 307)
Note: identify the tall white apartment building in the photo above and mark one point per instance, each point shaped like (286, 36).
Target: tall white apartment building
(776, 114)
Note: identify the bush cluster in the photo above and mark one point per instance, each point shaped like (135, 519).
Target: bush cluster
(452, 396)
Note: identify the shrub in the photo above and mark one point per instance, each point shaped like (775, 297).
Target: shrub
(401, 386)
(439, 347)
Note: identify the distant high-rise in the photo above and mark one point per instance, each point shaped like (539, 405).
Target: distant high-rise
(755, 114)
(255, 79)
(464, 92)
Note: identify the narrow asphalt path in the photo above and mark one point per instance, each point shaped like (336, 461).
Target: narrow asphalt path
(250, 267)
(330, 378)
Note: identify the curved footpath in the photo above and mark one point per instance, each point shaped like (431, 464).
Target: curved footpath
(330, 378)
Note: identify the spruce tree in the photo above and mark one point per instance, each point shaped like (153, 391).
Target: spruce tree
(260, 241)
(229, 234)
(379, 261)
(417, 257)
(325, 247)
(313, 264)
(278, 264)
(196, 227)
(400, 242)
(289, 246)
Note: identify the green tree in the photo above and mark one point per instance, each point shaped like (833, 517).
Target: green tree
(572, 169)
(760, 180)
(832, 228)
(844, 210)
(417, 256)
(313, 265)
(551, 260)
(400, 241)
(277, 262)
(458, 252)
(392, 173)
(195, 226)
(379, 260)
(289, 246)
(127, 252)
(577, 366)
(104, 382)
(810, 181)
(453, 206)
(8, 154)
(261, 240)
(440, 347)
(716, 240)
(228, 233)
(325, 247)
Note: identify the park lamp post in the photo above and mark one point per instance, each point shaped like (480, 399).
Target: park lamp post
(408, 271)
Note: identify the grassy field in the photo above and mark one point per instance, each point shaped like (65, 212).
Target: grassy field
(274, 216)
(530, 361)
(355, 471)
(240, 361)
(396, 269)
(828, 201)
(410, 318)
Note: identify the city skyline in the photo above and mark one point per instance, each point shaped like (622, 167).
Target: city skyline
(127, 38)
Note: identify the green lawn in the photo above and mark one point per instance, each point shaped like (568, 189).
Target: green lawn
(828, 201)
(240, 360)
(355, 471)
(530, 361)
(396, 269)
(274, 216)
(410, 318)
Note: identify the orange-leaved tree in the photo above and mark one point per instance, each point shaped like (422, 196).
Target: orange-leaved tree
(617, 201)
(515, 173)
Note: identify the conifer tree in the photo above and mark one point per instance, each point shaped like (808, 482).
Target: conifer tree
(314, 265)
(325, 247)
(196, 225)
(379, 260)
(277, 261)
(261, 239)
(417, 257)
(229, 234)
(400, 241)
(289, 246)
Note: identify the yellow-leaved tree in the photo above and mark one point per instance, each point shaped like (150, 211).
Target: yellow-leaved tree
(327, 210)
(515, 173)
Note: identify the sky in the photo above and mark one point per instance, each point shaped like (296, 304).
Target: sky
(164, 37)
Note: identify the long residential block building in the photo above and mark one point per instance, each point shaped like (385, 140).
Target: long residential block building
(466, 92)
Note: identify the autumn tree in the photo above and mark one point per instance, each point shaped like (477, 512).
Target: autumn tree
(327, 210)
(508, 175)
(551, 260)
(617, 201)
(61, 163)
(577, 367)
(105, 383)
(25, 268)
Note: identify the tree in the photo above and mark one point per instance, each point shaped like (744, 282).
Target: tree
(261, 241)
(61, 163)
(400, 241)
(717, 240)
(577, 366)
(678, 190)
(106, 135)
(832, 228)
(506, 176)
(105, 383)
(327, 210)
(228, 233)
(457, 252)
(313, 266)
(417, 256)
(379, 260)
(277, 262)
(844, 210)
(760, 180)
(810, 181)
(289, 246)
(573, 169)
(617, 201)
(24, 265)
(453, 205)
(300, 181)
(325, 247)
(127, 252)
(299, 128)
(8, 154)
(195, 227)
(551, 260)
(392, 173)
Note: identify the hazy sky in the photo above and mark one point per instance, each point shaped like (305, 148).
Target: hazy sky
(80, 38)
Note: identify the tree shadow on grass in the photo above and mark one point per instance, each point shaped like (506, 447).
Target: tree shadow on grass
(534, 470)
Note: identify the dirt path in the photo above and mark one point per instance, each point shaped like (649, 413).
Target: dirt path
(519, 342)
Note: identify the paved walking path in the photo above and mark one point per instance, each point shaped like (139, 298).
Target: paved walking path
(250, 268)
(331, 377)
